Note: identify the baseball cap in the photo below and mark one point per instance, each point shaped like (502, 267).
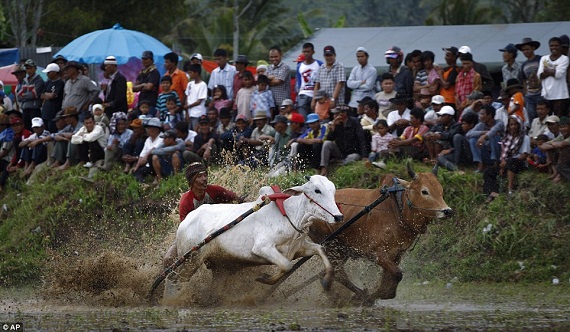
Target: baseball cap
(30, 63)
(298, 118)
(147, 55)
(197, 56)
(280, 118)
(552, 119)
(453, 50)
(203, 119)
(329, 50)
(475, 95)
(446, 110)
(241, 117)
(286, 102)
(300, 58)
(464, 49)
(152, 122)
(51, 67)
(437, 99)
(312, 117)
(37, 122)
(169, 134)
(511, 48)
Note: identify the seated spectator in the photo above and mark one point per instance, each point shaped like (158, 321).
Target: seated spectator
(65, 154)
(399, 119)
(515, 150)
(205, 147)
(280, 142)
(558, 152)
(440, 136)
(187, 135)
(258, 143)
(473, 104)
(424, 99)
(143, 166)
(323, 105)
(225, 124)
(502, 113)
(553, 124)
(538, 159)
(34, 154)
(430, 117)
(411, 142)
(379, 145)
(167, 157)
(134, 146)
(460, 152)
(233, 141)
(116, 144)
(360, 108)
(370, 115)
(20, 134)
(485, 137)
(213, 118)
(90, 141)
(287, 108)
(538, 125)
(262, 98)
(6, 148)
(386, 93)
(345, 140)
(307, 148)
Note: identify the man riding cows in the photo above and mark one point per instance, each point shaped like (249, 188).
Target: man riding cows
(200, 193)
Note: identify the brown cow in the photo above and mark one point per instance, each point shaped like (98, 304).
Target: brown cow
(384, 234)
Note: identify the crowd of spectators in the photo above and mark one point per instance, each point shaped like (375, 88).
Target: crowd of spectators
(286, 118)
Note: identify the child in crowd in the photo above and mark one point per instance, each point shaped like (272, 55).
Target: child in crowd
(516, 103)
(323, 105)
(243, 98)
(173, 117)
(261, 70)
(142, 112)
(537, 158)
(101, 118)
(380, 139)
(383, 97)
(220, 98)
(167, 92)
(262, 98)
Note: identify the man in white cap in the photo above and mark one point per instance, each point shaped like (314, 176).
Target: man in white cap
(52, 96)
(116, 91)
(480, 68)
(440, 136)
(32, 153)
(362, 79)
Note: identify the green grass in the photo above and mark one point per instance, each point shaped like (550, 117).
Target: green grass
(531, 228)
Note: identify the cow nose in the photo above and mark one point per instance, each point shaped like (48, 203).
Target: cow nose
(338, 217)
(448, 213)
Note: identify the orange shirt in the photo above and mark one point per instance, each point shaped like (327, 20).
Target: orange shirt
(179, 83)
(517, 99)
(449, 93)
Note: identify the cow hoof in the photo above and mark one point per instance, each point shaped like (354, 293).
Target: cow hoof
(264, 279)
(327, 280)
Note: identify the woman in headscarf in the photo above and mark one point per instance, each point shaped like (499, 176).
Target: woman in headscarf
(515, 150)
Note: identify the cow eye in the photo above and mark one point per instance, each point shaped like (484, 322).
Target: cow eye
(318, 191)
(425, 192)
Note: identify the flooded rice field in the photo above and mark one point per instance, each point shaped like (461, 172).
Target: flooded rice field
(237, 303)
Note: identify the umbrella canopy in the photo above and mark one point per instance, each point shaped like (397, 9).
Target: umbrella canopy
(122, 43)
(8, 79)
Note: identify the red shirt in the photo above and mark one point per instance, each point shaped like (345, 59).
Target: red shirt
(214, 194)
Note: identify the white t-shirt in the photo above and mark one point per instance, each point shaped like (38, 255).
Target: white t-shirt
(195, 92)
(308, 75)
(395, 116)
(554, 87)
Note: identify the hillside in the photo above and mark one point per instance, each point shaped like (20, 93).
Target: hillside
(524, 238)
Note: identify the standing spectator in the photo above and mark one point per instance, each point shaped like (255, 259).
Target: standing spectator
(387, 92)
(428, 77)
(241, 63)
(552, 72)
(487, 81)
(223, 74)
(60, 61)
(220, 99)
(515, 150)
(196, 95)
(331, 78)
(79, 90)
(468, 80)
(345, 140)
(52, 96)
(30, 95)
(179, 79)
(512, 68)
(516, 105)
(116, 90)
(529, 76)
(448, 76)
(148, 82)
(6, 148)
(305, 81)
(362, 78)
(167, 93)
(279, 77)
(401, 74)
(242, 104)
(20, 73)
(5, 101)
(262, 98)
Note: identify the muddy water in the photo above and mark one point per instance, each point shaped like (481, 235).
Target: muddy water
(236, 303)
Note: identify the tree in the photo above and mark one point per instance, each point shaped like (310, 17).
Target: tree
(463, 12)
(24, 17)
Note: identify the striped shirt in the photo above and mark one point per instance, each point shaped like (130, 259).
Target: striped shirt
(283, 90)
(329, 77)
(223, 77)
(161, 109)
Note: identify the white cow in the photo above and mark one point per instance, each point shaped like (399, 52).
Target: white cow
(265, 237)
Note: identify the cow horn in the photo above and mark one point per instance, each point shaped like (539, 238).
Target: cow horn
(308, 178)
(435, 169)
(411, 172)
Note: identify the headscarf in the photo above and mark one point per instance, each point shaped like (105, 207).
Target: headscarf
(512, 144)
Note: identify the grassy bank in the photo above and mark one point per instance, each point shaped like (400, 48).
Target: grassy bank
(521, 238)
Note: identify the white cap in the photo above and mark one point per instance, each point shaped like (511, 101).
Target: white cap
(362, 49)
(446, 110)
(110, 60)
(197, 56)
(37, 122)
(97, 106)
(51, 67)
(552, 119)
(464, 49)
(437, 99)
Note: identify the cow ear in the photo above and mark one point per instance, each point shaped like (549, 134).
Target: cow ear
(404, 183)
(411, 171)
(294, 191)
